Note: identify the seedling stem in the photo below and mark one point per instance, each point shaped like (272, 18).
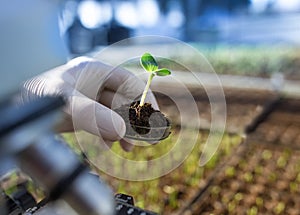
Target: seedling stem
(150, 65)
(142, 102)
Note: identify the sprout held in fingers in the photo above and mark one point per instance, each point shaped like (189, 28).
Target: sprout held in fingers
(150, 65)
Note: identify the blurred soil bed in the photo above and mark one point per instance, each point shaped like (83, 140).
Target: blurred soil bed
(262, 175)
(169, 193)
(259, 180)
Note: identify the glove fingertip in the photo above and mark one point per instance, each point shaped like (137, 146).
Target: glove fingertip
(119, 125)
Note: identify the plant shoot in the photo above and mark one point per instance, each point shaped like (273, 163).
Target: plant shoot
(150, 65)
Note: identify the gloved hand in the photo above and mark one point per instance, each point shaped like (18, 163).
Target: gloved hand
(91, 89)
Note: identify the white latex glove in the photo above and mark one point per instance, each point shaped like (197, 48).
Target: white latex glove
(91, 89)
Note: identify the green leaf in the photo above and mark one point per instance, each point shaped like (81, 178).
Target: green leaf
(149, 63)
(162, 72)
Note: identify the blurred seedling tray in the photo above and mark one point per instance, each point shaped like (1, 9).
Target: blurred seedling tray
(258, 180)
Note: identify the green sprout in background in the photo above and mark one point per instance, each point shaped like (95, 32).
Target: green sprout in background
(150, 65)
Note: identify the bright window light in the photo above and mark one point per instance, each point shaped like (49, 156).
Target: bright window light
(126, 14)
(93, 14)
(148, 12)
(287, 5)
(278, 5)
(175, 18)
(142, 13)
(68, 15)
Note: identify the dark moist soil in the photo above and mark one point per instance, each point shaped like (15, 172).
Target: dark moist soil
(144, 120)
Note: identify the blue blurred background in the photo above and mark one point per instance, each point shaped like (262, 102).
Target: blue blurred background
(91, 23)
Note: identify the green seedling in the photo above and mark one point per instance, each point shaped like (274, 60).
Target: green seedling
(150, 65)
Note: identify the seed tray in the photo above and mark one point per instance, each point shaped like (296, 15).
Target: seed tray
(281, 127)
(259, 180)
(242, 106)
